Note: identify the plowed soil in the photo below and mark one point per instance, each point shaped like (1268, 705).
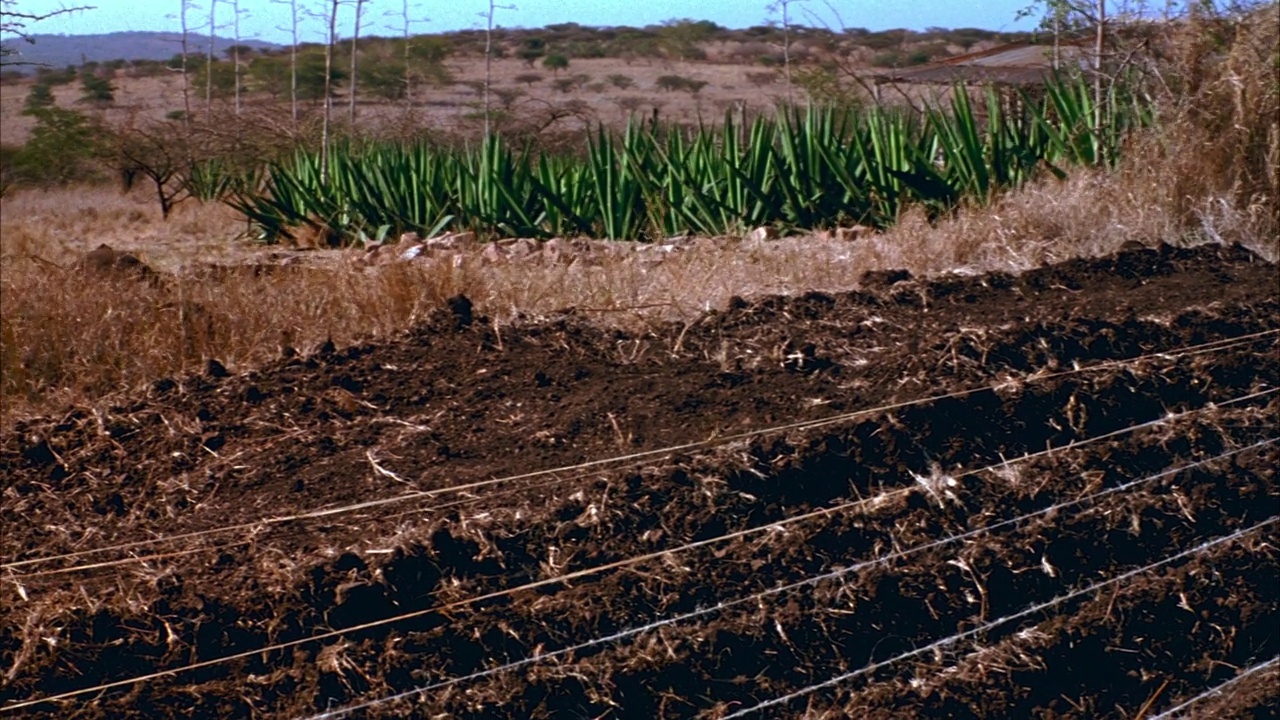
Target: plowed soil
(1046, 495)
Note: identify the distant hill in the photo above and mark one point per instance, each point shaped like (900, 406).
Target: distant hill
(62, 50)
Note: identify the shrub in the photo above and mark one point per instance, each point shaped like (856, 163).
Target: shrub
(150, 68)
(671, 83)
(63, 147)
(555, 63)
(532, 50)
(887, 60)
(384, 79)
(96, 90)
(56, 77)
(41, 96)
(622, 82)
(528, 78)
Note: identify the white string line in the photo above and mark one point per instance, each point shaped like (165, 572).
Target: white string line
(18, 577)
(951, 640)
(755, 597)
(1216, 345)
(586, 572)
(1171, 712)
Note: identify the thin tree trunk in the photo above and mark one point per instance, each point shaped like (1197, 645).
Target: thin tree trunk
(235, 50)
(328, 93)
(355, 38)
(293, 62)
(488, 63)
(408, 75)
(1097, 67)
(208, 63)
(186, 80)
(293, 55)
(786, 48)
(1057, 39)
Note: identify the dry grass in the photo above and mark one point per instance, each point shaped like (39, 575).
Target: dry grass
(66, 337)
(1207, 175)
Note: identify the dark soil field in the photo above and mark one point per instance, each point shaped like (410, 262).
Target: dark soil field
(1050, 495)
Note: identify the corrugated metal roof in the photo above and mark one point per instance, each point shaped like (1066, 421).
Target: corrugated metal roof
(1015, 64)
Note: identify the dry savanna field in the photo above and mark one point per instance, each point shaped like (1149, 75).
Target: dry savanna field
(1013, 459)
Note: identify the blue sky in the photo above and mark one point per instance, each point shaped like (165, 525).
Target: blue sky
(262, 18)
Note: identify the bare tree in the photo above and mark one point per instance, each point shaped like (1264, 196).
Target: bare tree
(328, 90)
(783, 8)
(235, 49)
(16, 25)
(494, 7)
(185, 6)
(1100, 24)
(406, 25)
(208, 62)
(355, 52)
(293, 54)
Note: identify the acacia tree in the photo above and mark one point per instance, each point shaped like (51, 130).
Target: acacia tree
(161, 153)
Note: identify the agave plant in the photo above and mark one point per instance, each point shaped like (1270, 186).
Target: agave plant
(803, 168)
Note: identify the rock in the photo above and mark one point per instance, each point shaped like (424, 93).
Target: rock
(522, 248)
(215, 369)
(849, 234)
(107, 262)
(451, 241)
(461, 309)
(493, 254)
(883, 279)
(557, 250)
(762, 233)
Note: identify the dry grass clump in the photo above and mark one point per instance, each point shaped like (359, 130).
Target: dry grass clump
(1216, 151)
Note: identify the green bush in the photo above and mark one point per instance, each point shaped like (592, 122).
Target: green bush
(64, 146)
(555, 63)
(532, 50)
(223, 74)
(887, 60)
(96, 89)
(41, 96)
(57, 77)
